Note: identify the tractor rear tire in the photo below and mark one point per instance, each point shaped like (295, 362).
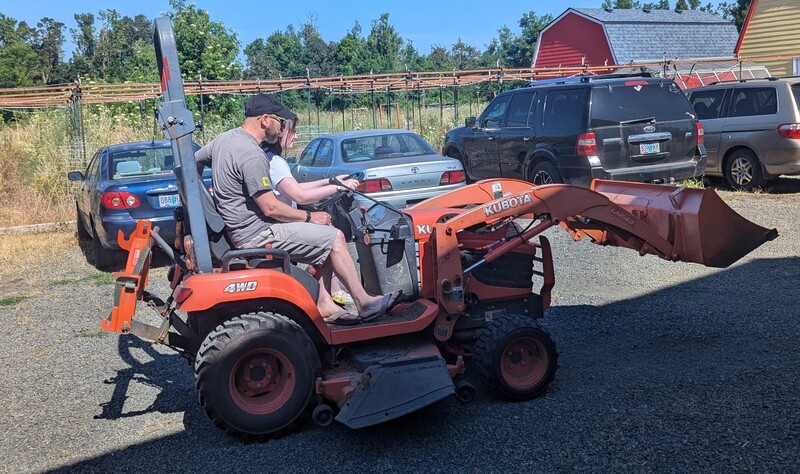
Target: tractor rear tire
(515, 357)
(255, 375)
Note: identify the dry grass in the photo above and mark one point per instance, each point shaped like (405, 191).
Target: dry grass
(38, 150)
(28, 251)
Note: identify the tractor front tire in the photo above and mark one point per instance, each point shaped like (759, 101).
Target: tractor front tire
(255, 375)
(515, 357)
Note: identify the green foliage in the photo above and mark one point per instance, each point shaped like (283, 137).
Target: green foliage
(383, 46)
(205, 47)
(12, 300)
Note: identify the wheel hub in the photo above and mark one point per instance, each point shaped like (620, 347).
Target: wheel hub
(524, 362)
(261, 381)
(741, 171)
(257, 375)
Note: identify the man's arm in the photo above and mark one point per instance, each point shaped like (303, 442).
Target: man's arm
(202, 158)
(280, 211)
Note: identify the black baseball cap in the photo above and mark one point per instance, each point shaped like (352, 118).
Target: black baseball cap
(261, 104)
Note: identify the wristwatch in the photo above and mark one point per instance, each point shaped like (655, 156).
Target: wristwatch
(308, 216)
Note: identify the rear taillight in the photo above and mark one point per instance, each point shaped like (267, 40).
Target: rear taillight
(181, 293)
(452, 177)
(700, 133)
(587, 144)
(375, 185)
(119, 200)
(790, 130)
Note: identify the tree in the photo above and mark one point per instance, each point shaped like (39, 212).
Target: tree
(621, 4)
(350, 53)
(316, 54)
(383, 46)
(18, 58)
(278, 56)
(531, 26)
(49, 49)
(204, 46)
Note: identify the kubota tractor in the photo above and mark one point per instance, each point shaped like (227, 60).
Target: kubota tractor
(472, 263)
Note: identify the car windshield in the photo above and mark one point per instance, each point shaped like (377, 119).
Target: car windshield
(636, 100)
(378, 147)
(144, 161)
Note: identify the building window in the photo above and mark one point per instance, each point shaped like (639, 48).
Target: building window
(796, 67)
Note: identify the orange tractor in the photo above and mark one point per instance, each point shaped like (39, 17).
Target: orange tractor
(473, 265)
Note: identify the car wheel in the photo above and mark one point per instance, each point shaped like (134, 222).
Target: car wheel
(83, 234)
(102, 258)
(743, 170)
(545, 173)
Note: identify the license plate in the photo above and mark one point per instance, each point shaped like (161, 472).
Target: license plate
(648, 148)
(169, 200)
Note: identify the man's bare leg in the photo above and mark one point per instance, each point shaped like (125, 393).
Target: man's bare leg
(342, 264)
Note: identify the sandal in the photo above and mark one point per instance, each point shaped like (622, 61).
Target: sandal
(343, 318)
(386, 305)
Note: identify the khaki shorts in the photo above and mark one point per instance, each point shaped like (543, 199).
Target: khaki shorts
(305, 242)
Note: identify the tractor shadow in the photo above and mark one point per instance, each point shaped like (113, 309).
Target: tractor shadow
(170, 374)
(689, 336)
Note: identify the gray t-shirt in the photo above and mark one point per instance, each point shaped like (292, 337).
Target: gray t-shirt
(240, 170)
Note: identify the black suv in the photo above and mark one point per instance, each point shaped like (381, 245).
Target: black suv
(570, 130)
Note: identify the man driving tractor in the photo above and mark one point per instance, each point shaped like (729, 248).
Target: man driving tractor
(254, 216)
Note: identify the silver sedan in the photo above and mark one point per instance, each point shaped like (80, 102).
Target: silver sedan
(399, 166)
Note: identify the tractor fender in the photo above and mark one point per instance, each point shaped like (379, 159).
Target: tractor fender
(214, 289)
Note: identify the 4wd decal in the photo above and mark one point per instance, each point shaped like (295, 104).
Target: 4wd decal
(239, 287)
(507, 204)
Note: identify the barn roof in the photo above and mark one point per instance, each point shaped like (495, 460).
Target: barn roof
(647, 36)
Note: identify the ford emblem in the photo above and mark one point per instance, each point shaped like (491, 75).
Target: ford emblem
(649, 129)
(414, 169)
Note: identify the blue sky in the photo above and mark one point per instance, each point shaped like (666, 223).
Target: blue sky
(439, 22)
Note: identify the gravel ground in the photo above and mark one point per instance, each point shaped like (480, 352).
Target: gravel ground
(664, 367)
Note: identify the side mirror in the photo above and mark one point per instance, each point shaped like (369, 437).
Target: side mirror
(75, 176)
(291, 161)
(470, 122)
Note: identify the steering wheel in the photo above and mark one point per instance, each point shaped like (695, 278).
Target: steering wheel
(333, 199)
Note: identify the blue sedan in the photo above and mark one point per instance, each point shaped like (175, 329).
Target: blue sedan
(124, 183)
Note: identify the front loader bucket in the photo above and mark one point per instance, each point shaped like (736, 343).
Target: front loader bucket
(697, 222)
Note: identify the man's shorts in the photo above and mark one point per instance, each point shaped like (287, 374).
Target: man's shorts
(305, 242)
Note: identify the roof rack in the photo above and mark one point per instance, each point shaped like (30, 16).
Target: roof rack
(578, 79)
(770, 78)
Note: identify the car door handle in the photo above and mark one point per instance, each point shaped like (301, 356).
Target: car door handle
(490, 138)
(526, 139)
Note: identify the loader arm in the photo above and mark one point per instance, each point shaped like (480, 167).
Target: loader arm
(676, 224)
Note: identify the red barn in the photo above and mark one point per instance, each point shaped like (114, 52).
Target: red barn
(598, 37)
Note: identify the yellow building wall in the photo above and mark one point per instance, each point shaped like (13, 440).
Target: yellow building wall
(774, 30)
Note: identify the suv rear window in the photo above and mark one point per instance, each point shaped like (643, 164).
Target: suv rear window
(635, 100)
